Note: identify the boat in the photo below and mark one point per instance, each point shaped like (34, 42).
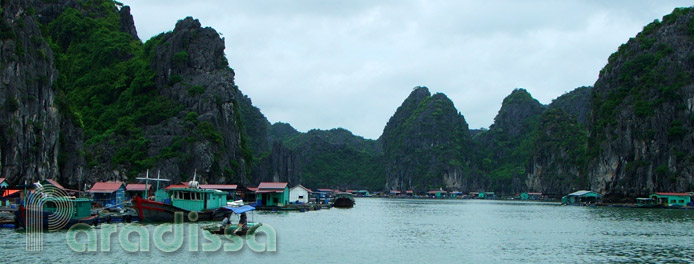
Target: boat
(219, 229)
(344, 200)
(205, 202)
(50, 216)
(647, 203)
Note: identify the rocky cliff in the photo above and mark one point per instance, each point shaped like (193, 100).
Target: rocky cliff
(29, 116)
(89, 102)
(504, 150)
(641, 124)
(427, 145)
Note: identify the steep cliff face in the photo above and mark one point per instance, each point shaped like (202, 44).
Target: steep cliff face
(504, 150)
(558, 151)
(427, 145)
(575, 103)
(641, 124)
(29, 117)
(191, 70)
(557, 155)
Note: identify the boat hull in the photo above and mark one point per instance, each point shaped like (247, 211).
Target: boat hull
(343, 203)
(219, 230)
(42, 219)
(156, 212)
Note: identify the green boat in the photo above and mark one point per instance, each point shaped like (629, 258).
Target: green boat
(204, 202)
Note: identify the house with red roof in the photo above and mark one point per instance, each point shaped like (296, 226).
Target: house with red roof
(139, 190)
(672, 199)
(108, 193)
(273, 193)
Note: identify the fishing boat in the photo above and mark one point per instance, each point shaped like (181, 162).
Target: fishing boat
(249, 228)
(204, 202)
(55, 213)
(344, 200)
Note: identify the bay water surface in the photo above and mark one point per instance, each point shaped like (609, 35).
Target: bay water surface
(412, 231)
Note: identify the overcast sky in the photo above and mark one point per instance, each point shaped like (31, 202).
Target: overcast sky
(326, 64)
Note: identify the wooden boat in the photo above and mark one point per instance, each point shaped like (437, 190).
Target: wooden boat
(219, 229)
(344, 200)
(50, 217)
(185, 200)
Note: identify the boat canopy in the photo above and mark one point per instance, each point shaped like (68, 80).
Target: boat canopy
(240, 210)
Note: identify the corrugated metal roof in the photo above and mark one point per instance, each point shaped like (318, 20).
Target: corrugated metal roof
(219, 186)
(301, 186)
(105, 187)
(272, 185)
(137, 187)
(671, 194)
(579, 193)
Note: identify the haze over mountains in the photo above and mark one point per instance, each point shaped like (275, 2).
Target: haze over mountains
(85, 100)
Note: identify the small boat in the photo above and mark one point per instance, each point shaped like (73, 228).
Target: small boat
(344, 200)
(219, 229)
(51, 217)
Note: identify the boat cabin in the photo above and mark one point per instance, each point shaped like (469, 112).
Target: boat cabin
(672, 199)
(81, 207)
(195, 199)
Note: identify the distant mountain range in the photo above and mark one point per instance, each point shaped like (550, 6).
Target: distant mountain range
(84, 100)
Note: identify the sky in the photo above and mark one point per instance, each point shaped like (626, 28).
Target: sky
(323, 64)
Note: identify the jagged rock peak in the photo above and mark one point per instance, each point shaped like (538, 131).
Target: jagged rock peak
(190, 49)
(515, 109)
(127, 24)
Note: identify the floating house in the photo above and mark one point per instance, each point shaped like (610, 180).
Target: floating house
(139, 190)
(299, 194)
(6, 195)
(409, 193)
(363, 193)
(531, 196)
(437, 194)
(581, 198)
(273, 193)
(672, 199)
(108, 193)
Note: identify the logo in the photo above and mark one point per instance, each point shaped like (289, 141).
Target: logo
(46, 209)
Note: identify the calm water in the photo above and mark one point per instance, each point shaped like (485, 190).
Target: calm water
(428, 231)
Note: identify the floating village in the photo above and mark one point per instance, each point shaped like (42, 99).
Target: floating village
(33, 204)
